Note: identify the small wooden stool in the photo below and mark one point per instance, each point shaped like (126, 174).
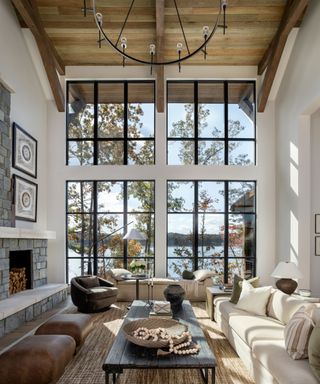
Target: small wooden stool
(37, 359)
(76, 325)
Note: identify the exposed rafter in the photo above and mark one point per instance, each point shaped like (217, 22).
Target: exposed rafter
(51, 60)
(293, 12)
(159, 53)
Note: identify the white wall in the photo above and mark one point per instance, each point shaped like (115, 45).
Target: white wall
(263, 172)
(298, 98)
(28, 105)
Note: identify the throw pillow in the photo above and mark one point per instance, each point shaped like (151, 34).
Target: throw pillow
(297, 332)
(202, 274)
(237, 287)
(187, 275)
(254, 300)
(89, 281)
(314, 351)
(118, 273)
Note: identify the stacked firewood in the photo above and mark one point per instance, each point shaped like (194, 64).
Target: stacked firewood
(17, 280)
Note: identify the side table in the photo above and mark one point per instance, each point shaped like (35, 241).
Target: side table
(212, 292)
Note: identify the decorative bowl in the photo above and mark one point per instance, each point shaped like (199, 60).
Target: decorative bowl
(173, 327)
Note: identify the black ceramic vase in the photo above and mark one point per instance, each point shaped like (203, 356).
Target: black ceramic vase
(175, 294)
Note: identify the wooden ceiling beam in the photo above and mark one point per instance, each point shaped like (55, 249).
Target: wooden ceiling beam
(51, 61)
(294, 11)
(159, 55)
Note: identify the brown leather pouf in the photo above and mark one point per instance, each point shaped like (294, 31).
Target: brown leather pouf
(36, 359)
(77, 326)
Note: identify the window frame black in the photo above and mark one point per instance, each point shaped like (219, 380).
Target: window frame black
(225, 139)
(226, 213)
(95, 214)
(96, 139)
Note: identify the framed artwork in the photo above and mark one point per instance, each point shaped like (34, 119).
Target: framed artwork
(317, 223)
(24, 151)
(25, 199)
(317, 246)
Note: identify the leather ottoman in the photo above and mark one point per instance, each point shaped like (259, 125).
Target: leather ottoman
(37, 359)
(77, 326)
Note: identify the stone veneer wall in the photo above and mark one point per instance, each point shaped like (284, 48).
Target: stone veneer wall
(39, 252)
(5, 159)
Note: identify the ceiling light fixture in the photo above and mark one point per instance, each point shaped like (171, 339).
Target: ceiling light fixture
(182, 49)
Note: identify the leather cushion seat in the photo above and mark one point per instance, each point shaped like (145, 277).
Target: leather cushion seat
(37, 359)
(102, 292)
(77, 326)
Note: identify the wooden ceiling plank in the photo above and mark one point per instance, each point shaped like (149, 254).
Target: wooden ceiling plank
(289, 20)
(32, 19)
(159, 55)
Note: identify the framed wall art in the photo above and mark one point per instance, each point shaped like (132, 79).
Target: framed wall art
(25, 199)
(317, 223)
(317, 246)
(24, 151)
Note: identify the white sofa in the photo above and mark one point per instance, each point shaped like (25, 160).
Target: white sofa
(259, 340)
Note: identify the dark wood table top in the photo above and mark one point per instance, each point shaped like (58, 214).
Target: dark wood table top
(124, 354)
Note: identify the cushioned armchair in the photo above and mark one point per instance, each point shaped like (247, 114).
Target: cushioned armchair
(92, 293)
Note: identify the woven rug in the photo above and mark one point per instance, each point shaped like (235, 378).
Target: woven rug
(86, 366)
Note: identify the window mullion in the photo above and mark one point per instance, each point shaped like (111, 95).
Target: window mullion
(125, 119)
(95, 123)
(125, 222)
(195, 226)
(95, 229)
(226, 231)
(196, 127)
(226, 125)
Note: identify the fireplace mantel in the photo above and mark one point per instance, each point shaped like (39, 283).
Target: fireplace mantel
(23, 233)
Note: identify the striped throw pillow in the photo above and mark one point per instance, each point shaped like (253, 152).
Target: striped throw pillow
(297, 332)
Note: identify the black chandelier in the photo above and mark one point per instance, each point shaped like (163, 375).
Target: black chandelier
(121, 44)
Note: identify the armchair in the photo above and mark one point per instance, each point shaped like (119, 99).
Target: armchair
(92, 293)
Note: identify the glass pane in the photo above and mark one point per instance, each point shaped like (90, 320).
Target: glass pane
(180, 152)
(110, 152)
(140, 196)
(241, 152)
(240, 267)
(110, 196)
(80, 196)
(210, 152)
(242, 196)
(80, 235)
(210, 235)
(180, 196)
(242, 235)
(141, 110)
(178, 265)
(141, 152)
(80, 114)
(144, 224)
(110, 110)
(80, 153)
(211, 196)
(110, 235)
(180, 110)
(211, 110)
(180, 235)
(241, 110)
(77, 267)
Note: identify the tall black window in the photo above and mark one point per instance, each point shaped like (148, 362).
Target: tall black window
(211, 122)
(99, 213)
(110, 122)
(211, 225)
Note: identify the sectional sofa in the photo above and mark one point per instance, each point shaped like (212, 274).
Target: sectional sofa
(259, 340)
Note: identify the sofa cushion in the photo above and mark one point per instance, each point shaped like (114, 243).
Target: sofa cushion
(89, 281)
(253, 300)
(202, 274)
(282, 306)
(314, 351)
(102, 292)
(118, 273)
(274, 357)
(297, 332)
(237, 287)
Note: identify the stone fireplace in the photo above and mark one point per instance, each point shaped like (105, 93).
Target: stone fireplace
(20, 271)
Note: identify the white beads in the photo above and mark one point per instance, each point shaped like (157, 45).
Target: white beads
(160, 334)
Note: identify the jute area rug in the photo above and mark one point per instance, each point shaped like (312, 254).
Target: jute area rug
(86, 366)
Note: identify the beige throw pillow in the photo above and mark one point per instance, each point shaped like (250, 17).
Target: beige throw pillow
(252, 299)
(297, 332)
(237, 287)
(202, 274)
(314, 351)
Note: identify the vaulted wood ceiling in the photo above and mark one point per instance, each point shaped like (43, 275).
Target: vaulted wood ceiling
(256, 34)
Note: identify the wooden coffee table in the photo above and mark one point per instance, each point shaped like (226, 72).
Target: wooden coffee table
(126, 355)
